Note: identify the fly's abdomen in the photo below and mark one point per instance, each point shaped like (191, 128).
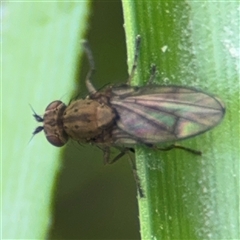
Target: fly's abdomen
(86, 119)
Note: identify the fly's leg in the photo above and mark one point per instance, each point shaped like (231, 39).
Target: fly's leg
(134, 67)
(136, 177)
(136, 54)
(121, 154)
(91, 71)
(152, 74)
(193, 151)
(90, 87)
(132, 163)
(106, 155)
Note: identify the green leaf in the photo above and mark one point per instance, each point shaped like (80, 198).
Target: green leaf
(193, 44)
(40, 49)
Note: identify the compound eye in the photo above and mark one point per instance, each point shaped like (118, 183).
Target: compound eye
(53, 105)
(55, 140)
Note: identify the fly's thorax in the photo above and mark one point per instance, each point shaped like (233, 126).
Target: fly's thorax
(52, 123)
(85, 119)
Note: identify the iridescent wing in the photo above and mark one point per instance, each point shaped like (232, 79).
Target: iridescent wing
(157, 114)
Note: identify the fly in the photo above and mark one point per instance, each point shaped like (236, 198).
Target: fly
(123, 116)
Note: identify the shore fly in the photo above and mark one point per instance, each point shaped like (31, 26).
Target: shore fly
(123, 116)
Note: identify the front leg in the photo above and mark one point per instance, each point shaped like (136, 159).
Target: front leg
(90, 87)
(136, 54)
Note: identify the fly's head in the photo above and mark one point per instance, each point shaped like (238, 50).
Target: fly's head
(52, 123)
